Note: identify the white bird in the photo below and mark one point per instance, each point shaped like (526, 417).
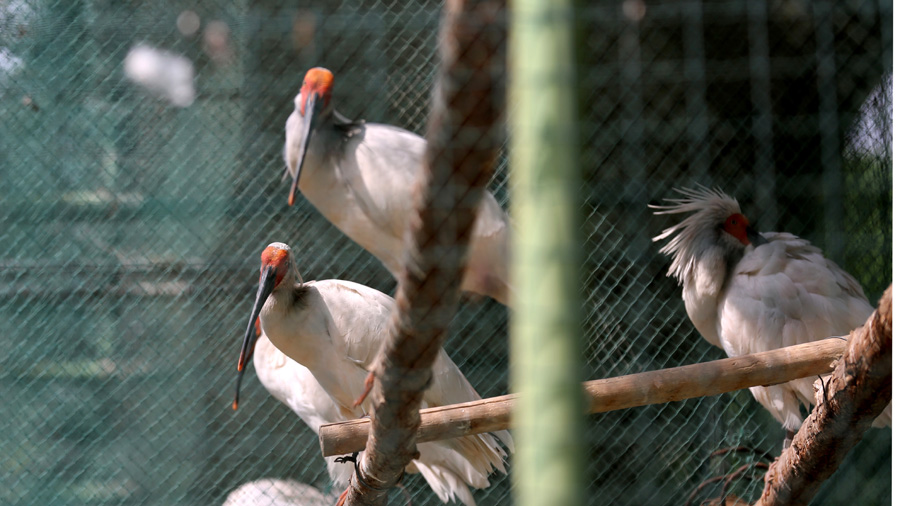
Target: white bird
(274, 492)
(361, 177)
(748, 292)
(335, 329)
(297, 388)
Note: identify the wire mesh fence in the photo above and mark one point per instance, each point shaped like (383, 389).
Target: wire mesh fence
(133, 220)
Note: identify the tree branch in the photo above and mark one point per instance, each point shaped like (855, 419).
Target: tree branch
(610, 394)
(463, 142)
(858, 391)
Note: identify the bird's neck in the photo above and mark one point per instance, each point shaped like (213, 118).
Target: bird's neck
(290, 317)
(281, 300)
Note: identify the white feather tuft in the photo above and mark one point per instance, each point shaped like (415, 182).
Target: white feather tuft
(696, 233)
(749, 299)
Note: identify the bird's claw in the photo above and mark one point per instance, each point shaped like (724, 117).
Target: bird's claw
(347, 458)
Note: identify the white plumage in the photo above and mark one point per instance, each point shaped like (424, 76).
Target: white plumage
(297, 388)
(335, 329)
(361, 177)
(747, 292)
(274, 492)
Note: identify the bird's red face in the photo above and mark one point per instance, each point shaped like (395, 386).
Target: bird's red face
(737, 225)
(274, 259)
(318, 81)
(313, 100)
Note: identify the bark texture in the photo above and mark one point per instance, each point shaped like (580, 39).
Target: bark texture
(463, 143)
(610, 394)
(858, 391)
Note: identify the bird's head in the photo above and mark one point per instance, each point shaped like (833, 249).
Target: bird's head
(738, 226)
(316, 89)
(716, 222)
(313, 102)
(276, 262)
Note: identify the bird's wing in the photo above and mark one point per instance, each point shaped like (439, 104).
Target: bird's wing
(448, 385)
(492, 219)
(381, 168)
(785, 293)
(294, 385)
(360, 317)
(487, 268)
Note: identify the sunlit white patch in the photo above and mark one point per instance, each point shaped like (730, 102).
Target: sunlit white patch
(163, 74)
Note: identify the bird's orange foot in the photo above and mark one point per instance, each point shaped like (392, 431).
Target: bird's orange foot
(343, 497)
(370, 380)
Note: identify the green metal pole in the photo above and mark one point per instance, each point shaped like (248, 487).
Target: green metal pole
(546, 364)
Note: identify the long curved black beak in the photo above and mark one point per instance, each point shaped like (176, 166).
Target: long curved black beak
(313, 108)
(755, 238)
(266, 285)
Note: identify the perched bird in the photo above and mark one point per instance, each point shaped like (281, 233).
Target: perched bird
(335, 329)
(297, 388)
(361, 177)
(747, 292)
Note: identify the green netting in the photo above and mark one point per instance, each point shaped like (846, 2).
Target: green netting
(132, 228)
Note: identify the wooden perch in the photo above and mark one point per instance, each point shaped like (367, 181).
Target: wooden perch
(858, 391)
(666, 385)
(463, 142)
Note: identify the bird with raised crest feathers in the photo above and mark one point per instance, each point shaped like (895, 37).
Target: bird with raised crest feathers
(748, 292)
(361, 177)
(335, 329)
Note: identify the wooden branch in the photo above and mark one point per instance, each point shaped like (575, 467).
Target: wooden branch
(463, 142)
(666, 385)
(859, 390)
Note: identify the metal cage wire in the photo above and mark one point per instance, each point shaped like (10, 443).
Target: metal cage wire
(132, 226)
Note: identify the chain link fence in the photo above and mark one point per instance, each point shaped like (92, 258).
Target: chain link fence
(132, 226)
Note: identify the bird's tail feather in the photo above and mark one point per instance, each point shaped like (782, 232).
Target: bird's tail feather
(445, 484)
(451, 466)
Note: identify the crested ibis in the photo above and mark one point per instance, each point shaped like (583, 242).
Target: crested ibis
(297, 388)
(335, 329)
(748, 292)
(361, 177)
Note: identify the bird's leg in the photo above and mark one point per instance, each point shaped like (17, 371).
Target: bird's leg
(343, 497)
(359, 478)
(343, 460)
(370, 381)
(347, 458)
